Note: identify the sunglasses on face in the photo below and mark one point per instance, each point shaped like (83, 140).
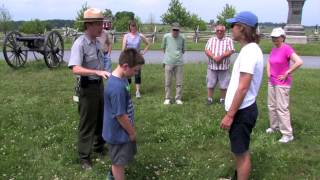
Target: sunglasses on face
(234, 24)
(177, 30)
(220, 31)
(274, 39)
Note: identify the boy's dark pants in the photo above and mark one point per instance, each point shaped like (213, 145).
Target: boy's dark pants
(91, 120)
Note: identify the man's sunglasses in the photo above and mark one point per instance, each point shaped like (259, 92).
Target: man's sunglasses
(232, 25)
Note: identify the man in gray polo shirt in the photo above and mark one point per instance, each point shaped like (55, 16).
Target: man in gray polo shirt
(86, 61)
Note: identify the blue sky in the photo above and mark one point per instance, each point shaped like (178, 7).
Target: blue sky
(266, 10)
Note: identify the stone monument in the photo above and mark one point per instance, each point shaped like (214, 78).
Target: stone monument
(294, 29)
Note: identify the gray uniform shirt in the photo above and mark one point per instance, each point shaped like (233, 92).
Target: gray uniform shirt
(86, 53)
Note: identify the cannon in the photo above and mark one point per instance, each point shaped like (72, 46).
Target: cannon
(16, 48)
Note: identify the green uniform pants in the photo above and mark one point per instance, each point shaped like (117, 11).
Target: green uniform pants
(91, 120)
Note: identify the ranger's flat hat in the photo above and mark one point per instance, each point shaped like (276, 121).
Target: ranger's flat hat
(93, 15)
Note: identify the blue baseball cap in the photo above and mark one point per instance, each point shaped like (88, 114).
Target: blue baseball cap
(245, 17)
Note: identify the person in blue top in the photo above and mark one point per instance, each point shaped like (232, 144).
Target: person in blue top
(118, 120)
(133, 40)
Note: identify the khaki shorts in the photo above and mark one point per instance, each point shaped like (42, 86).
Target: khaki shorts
(215, 76)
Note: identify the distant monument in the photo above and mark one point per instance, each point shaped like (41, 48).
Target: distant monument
(294, 29)
(316, 32)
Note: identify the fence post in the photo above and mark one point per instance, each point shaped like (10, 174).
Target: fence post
(196, 34)
(114, 36)
(154, 34)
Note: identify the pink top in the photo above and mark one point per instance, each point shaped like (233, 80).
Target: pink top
(279, 61)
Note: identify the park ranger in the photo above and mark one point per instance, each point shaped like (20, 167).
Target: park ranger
(86, 61)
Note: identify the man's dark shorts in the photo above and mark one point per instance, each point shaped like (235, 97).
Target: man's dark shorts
(241, 128)
(122, 154)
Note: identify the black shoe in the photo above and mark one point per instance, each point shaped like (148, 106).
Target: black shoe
(100, 154)
(101, 151)
(85, 164)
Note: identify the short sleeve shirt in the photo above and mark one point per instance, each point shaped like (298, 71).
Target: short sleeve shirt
(117, 102)
(173, 49)
(86, 53)
(249, 60)
(217, 47)
(279, 61)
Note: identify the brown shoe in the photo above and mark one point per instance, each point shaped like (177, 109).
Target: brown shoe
(85, 164)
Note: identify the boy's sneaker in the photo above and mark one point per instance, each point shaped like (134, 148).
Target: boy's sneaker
(221, 101)
(270, 131)
(110, 175)
(166, 102)
(75, 98)
(86, 164)
(209, 101)
(286, 139)
(178, 101)
(138, 95)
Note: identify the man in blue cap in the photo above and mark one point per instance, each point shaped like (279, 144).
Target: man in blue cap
(240, 102)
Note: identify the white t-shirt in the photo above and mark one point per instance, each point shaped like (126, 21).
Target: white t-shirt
(249, 60)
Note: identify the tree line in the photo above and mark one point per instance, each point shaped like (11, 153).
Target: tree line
(176, 12)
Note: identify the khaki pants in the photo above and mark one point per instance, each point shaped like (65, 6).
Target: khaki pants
(170, 72)
(278, 105)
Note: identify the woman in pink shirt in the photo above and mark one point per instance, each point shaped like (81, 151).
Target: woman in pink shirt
(279, 74)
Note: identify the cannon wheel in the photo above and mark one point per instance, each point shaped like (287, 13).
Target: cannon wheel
(12, 50)
(53, 49)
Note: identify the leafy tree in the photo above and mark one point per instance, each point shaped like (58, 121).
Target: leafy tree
(195, 21)
(58, 23)
(122, 14)
(177, 13)
(122, 19)
(108, 14)
(5, 19)
(33, 27)
(78, 24)
(228, 12)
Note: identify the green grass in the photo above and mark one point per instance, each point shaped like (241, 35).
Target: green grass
(38, 129)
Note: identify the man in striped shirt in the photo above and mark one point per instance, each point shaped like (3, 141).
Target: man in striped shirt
(218, 49)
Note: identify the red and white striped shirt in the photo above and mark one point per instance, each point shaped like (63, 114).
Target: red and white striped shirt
(217, 48)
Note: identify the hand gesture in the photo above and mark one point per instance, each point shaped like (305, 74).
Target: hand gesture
(217, 59)
(284, 76)
(226, 122)
(132, 137)
(103, 74)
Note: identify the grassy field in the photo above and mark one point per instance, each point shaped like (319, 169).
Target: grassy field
(38, 129)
